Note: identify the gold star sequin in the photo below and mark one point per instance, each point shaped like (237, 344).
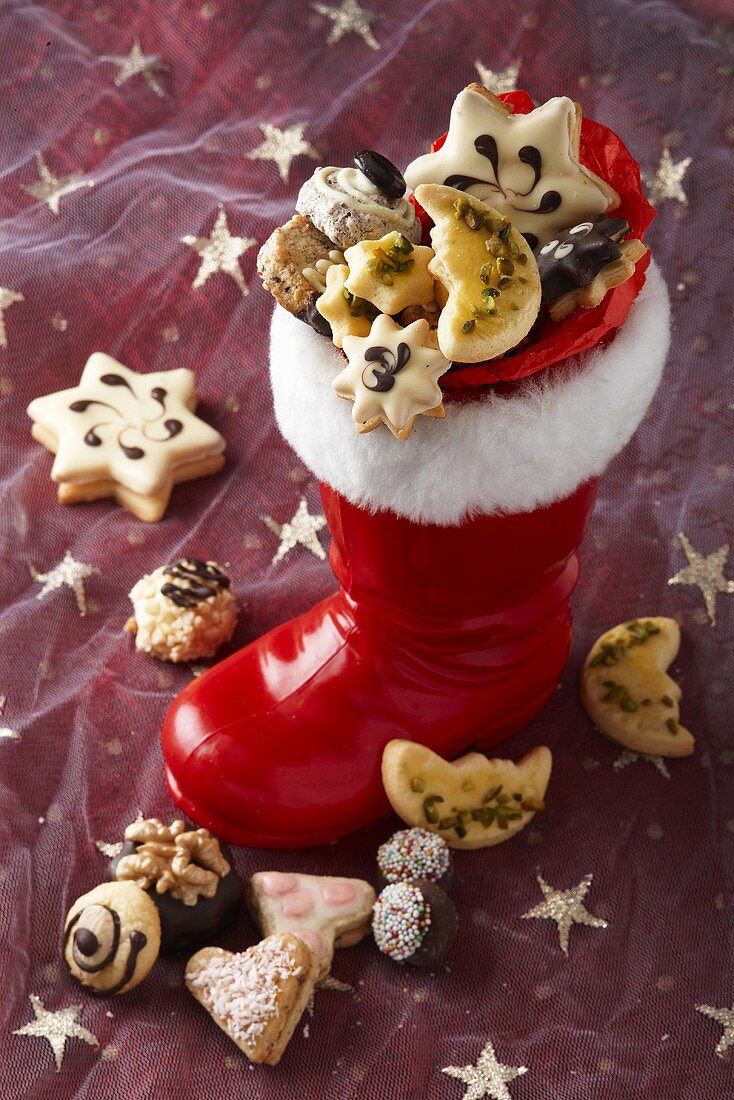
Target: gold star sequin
(488, 1078)
(220, 252)
(667, 180)
(299, 531)
(7, 299)
(725, 1017)
(68, 572)
(283, 146)
(706, 573)
(504, 80)
(349, 16)
(566, 908)
(50, 188)
(137, 63)
(56, 1028)
(627, 757)
(6, 733)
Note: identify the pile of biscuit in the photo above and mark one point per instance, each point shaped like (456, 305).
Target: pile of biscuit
(519, 231)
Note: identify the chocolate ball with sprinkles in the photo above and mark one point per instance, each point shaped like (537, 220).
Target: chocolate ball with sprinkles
(415, 922)
(412, 854)
(183, 611)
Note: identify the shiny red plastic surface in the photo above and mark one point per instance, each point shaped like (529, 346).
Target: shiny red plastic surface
(451, 636)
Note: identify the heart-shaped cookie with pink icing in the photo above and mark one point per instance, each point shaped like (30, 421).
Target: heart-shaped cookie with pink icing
(322, 911)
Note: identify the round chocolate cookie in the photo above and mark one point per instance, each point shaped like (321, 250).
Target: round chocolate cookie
(415, 922)
(168, 866)
(412, 854)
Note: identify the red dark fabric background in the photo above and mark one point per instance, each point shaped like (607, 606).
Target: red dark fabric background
(617, 1019)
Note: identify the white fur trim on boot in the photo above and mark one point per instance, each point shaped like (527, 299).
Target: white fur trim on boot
(494, 454)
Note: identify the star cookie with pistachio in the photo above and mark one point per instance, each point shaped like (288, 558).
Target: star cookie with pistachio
(126, 435)
(345, 313)
(391, 273)
(392, 376)
(527, 167)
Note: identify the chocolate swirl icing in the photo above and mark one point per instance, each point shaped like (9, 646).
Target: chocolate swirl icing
(202, 580)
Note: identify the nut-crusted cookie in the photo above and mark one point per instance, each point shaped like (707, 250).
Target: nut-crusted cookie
(391, 273)
(293, 263)
(256, 997)
(348, 207)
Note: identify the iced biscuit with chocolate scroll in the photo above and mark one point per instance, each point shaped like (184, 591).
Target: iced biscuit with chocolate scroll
(324, 912)
(292, 265)
(474, 802)
(258, 996)
(627, 692)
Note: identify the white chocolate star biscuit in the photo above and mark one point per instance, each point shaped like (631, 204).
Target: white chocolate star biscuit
(391, 273)
(626, 690)
(526, 166)
(324, 912)
(392, 376)
(347, 314)
(125, 435)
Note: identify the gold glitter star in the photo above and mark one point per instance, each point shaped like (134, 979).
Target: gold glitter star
(137, 63)
(68, 572)
(220, 252)
(56, 1027)
(487, 1078)
(51, 189)
(566, 908)
(504, 80)
(6, 733)
(667, 181)
(625, 758)
(7, 298)
(283, 146)
(349, 16)
(705, 573)
(299, 531)
(725, 1017)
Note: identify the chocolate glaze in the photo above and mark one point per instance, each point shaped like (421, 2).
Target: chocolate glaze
(584, 250)
(188, 927)
(85, 943)
(210, 580)
(138, 941)
(442, 930)
(311, 316)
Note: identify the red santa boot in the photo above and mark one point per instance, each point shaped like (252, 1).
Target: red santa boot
(456, 554)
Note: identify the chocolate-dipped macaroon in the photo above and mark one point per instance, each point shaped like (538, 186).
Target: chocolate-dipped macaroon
(412, 854)
(415, 922)
(188, 874)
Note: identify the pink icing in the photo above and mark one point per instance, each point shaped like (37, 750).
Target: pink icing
(338, 893)
(313, 939)
(275, 884)
(297, 903)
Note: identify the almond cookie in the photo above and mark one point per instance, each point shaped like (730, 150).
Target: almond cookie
(391, 273)
(183, 611)
(292, 265)
(324, 912)
(256, 997)
(626, 690)
(126, 435)
(112, 936)
(345, 313)
(488, 271)
(474, 802)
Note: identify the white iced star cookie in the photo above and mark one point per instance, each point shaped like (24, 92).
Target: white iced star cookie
(525, 166)
(392, 376)
(391, 273)
(125, 435)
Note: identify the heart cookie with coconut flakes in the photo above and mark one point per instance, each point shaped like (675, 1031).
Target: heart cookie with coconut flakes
(258, 996)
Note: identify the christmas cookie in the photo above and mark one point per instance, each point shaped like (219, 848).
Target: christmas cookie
(392, 376)
(126, 435)
(189, 876)
(112, 936)
(345, 313)
(390, 273)
(258, 996)
(415, 854)
(626, 690)
(183, 611)
(488, 271)
(581, 264)
(415, 922)
(349, 205)
(292, 265)
(474, 802)
(324, 912)
(526, 167)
